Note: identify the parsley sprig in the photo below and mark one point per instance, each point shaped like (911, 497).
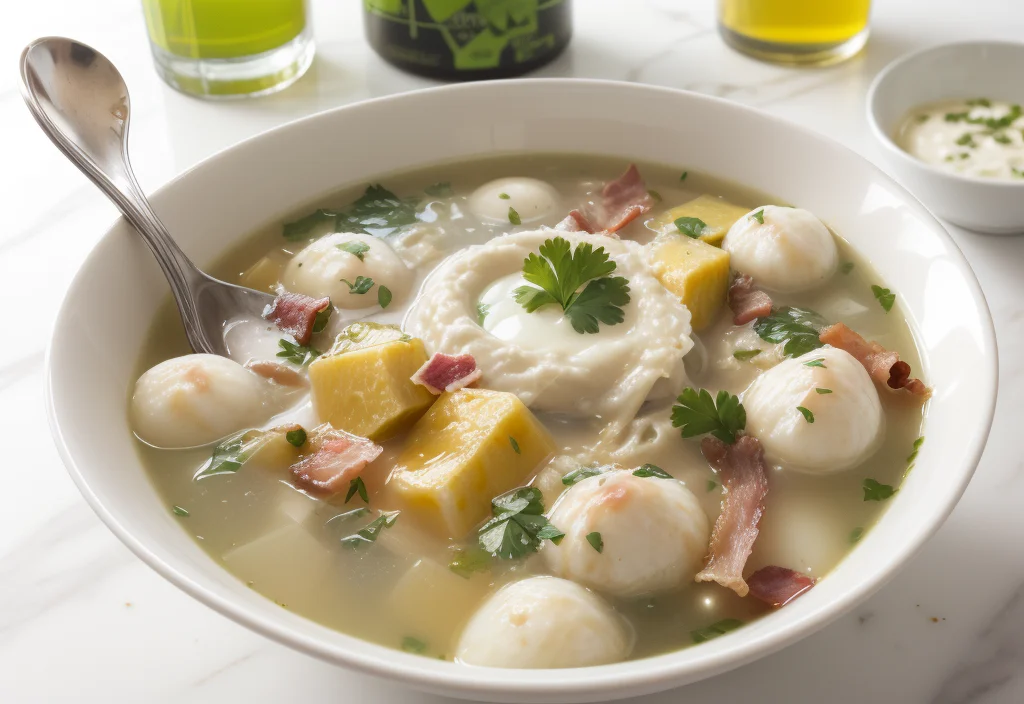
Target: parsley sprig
(518, 526)
(558, 275)
(697, 413)
(798, 328)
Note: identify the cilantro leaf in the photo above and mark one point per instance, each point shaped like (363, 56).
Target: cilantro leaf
(654, 194)
(846, 267)
(468, 561)
(504, 196)
(806, 413)
(513, 216)
(798, 328)
(355, 248)
(600, 302)
(378, 212)
(691, 227)
(321, 319)
(712, 485)
(651, 470)
(482, 309)
(296, 438)
(518, 525)
(295, 353)
(411, 644)
(744, 355)
(819, 362)
(367, 535)
(514, 444)
(357, 486)
(855, 534)
(884, 296)
(697, 413)
(299, 229)
(595, 541)
(684, 175)
(759, 216)
(580, 473)
(820, 390)
(232, 452)
(362, 285)
(383, 296)
(874, 491)
(719, 628)
(179, 511)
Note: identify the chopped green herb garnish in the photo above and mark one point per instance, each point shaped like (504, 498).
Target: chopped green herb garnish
(369, 534)
(504, 196)
(513, 216)
(917, 446)
(806, 413)
(759, 216)
(956, 116)
(922, 119)
(468, 561)
(1002, 138)
(383, 296)
(299, 229)
(654, 194)
(296, 437)
(356, 248)
(322, 318)
(697, 413)
(231, 453)
(441, 189)
(823, 391)
(856, 534)
(712, 485)
(362, 285)
(413, 645)
(819, 362)
(514, 444)
(179, 511)
(559, 274)
(966, 140)
(964, 156)
(595, 541)
(684, 175)
(744, 355)
(719, 628)
(846, 268)
(1019, 173)
(798, 328)
(295, 353)
(691, 227)
(378, 212)
(884, 296)
(357, 486)
(651, 470)
(873, 491)
(518, 526)
(580, 473)
(980, 102)
(482, 309)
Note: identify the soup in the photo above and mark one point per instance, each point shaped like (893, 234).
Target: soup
(552, 415)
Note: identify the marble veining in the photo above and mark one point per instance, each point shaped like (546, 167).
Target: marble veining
(82, 620)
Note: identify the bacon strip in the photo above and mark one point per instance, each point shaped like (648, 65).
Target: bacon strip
(576, 221)
(445, 372)
(338, 458)
(746, 301)
(295, 314)
(622, 201)
(885, 367)
(777, 586)
(278, 373)
(742, 471)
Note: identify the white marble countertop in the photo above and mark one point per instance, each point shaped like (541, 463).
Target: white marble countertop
(81, 619)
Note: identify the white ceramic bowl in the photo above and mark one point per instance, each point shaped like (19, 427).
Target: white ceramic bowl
(950, 71)
(104, 319)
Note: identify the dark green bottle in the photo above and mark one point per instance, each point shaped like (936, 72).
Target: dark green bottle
(460, 40)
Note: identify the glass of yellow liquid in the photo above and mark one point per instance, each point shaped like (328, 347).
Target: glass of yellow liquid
(229, 48)
(795, 32)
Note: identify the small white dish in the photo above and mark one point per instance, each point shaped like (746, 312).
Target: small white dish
(104, 321)
(962, 70)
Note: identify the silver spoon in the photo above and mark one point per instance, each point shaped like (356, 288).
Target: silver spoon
(81, 101)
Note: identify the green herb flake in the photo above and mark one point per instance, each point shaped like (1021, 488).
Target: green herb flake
(514, 444)
(697, 413)
(383, 296)
(518, 525)
(357, 486)
(300, 229)
(322, 318)
(979, 102)
(580, 473)
(504, 196)
(1002, 138)
(797, 328)
(966, 140)
(806, 413)
(482, 309)
(595, 541)
(874, 491)
(822, 391)
(745, 355)
(361, 285)
(819, 362)
(378, 212)
(846, 268)
(651, 470)
(441, 189)
(719, 628)
(559, 274)
(856, 534)
(299, 355)
(296, 437)
(691, 227)
(684, 175)
(413, 645)
(759, 216)
(917, 447)
(231, 453)
(654, 194)
(884, 296)
(1019, 173)
(179, 511)
(712, 485)
(356, 248)
(513, 216)
(956, 116)
(367, 535)
(467, 562)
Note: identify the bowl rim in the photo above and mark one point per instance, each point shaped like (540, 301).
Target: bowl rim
(886, 140)
(614, 681)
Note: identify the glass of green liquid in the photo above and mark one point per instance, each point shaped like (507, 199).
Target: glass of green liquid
(229, 48)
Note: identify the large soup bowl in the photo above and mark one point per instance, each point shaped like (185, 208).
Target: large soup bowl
(104, 321)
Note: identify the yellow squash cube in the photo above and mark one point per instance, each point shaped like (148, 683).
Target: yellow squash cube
(264, 275)
(696, 272)
(363, 385)
(717, 215)
(472, 445)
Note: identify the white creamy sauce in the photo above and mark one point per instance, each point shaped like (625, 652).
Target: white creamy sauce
(977, 137)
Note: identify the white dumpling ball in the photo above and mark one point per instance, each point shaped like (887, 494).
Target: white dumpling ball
(790, 251)
(654, 534)
(836, 391)
(197, 399)
(318, 269)
(544, 622)
(534, 200)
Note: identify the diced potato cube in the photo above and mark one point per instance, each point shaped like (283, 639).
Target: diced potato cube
(424, 599)
(696, 272)
(274, 452)
(264, 275)
(472, 445)
(292, 551)
(717, 215)
(367, 390)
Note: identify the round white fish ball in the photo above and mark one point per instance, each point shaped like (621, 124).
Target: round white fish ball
(532, 199)
(654, 534)
(847, 426)
(790, 251)
(318, 270)
(544, 622)
(195, 400)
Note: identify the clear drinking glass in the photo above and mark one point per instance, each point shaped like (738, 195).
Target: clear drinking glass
(798, 32)
(229, 48)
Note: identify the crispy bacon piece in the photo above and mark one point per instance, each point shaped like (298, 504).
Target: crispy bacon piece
(278, 373)
(446, 372)
(622, 201)
(295, 314)
(885, 367)
(777, 586)
(742, 471)
(746, 301)
(576, 221)
(337, 458)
